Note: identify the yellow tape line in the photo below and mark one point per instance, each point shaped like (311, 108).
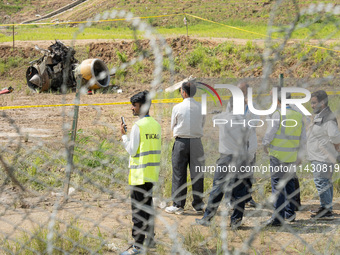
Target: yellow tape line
(157, 16)
(93, 21)
(247, 31)
(250, 32)
(318, 47)
(156, 101)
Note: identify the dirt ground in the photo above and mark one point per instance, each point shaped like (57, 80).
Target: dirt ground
(37, 127)
(113, 215)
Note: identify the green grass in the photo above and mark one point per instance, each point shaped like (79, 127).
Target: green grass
(249, 31)
(194, 241)
(9, 63)
(99, 165)
(10, 9)
(73, 239)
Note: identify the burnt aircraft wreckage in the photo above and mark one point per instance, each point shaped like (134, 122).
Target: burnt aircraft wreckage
(58, 66)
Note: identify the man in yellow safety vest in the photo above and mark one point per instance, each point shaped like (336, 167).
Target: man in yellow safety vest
(284, 139)
(144, 147)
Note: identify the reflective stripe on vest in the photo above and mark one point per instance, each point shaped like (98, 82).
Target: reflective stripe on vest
(145, 165)
(285, 144)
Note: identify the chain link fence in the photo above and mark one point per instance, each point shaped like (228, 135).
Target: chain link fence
(68, 193)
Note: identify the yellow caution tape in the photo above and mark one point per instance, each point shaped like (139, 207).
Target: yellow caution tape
(250, 32)
(86, 21)
(323, 48)
(247, 31)
(158, 16)
(156, 101)
(56, 105)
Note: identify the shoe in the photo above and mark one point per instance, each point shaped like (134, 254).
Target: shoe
(174, 210)
(111, 247)
(132, 250)
(251, 203)
(150, 243)
(317, 210)
(203, 222)
(199, 211)
(271, 223)
(235, 224)
(230, 206)
(290, 218)
(323, 214)
(298, 207)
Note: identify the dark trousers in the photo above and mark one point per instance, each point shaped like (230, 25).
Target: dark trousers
(297, 197)
(228, 184)
(284, 203)
(142, 212)
(187, 151)
(248, 182)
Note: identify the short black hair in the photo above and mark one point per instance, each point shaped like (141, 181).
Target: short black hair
(189, 87)
(142, 98)
(321, 95)
(139, 97)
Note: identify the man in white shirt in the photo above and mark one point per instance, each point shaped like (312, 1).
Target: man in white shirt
(187, 124)
(323, 142)
(252, 144)
(230, 168)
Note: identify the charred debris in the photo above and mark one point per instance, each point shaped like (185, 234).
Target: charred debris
(54, 68)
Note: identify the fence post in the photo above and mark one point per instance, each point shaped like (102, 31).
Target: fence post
(281, 80)
(13, 35)
(186, 24)
(70, 166)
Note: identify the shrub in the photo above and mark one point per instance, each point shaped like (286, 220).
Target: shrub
(196, 56)
(122, 57)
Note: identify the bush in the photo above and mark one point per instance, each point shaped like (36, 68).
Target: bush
(122, 57)
(14, 61)
(196, 56)
(2, 68)
(107, 28)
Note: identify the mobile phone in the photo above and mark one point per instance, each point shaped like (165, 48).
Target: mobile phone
(123, 121)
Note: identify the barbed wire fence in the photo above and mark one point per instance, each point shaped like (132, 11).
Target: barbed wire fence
(92, 214)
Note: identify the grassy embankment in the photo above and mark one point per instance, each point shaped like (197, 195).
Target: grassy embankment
(119, 30)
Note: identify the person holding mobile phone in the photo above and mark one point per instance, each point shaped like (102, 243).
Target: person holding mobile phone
(144, 147)
(124, 124)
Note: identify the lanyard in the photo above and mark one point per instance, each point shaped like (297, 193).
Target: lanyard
(245, 112)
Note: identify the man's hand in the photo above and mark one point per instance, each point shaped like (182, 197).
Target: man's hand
(337, 147)
(298, 162)
(122, 129)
